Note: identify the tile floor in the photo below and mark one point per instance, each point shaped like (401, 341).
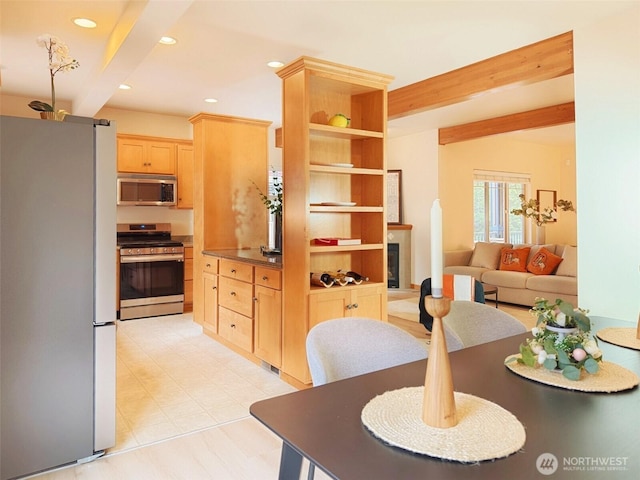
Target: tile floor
(172, 379)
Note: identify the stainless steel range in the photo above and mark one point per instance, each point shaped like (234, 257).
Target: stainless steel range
(151, 271)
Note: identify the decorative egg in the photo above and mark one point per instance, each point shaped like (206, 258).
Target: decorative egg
(579, 354)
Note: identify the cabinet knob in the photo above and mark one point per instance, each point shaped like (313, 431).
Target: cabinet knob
(208, 265)
(265, 278)
(233, 294)
(355, 305)
(214, 288)
(233, 325)
(233, 270)
(349, 306)
(255, 299)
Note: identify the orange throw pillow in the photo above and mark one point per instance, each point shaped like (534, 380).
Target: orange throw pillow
(543, 262)
(514, 259)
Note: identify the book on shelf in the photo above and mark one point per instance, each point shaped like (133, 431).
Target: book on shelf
(336, 241)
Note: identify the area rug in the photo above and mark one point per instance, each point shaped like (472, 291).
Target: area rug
(406, 309)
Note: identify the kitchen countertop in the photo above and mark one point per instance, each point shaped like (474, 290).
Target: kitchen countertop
(187, 240)
(249, 255)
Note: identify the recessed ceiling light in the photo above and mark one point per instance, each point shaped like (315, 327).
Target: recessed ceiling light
(275, 64)
(124, 86)
(211, 100)
(167, 40)
(85, 22)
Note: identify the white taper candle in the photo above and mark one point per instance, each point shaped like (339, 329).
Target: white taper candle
(436, 249)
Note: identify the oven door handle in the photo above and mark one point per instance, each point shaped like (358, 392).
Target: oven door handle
(152, 258)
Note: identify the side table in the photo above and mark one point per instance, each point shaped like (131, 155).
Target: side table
(491, 290)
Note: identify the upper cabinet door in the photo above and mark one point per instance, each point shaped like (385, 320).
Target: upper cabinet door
(144, 155)
(185, 176)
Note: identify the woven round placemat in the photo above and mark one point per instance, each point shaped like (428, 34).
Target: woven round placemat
(623, 337)
(485, 431)
(609, 378)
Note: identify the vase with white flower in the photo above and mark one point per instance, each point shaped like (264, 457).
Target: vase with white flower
(562, 340)
(273, 201)
(59, 61)
(531, 209)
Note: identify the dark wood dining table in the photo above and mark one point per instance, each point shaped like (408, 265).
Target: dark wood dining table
(591, 435)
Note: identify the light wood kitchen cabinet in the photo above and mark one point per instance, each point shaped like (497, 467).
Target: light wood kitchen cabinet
(249, 307)
(210, 300)
(236, 295)
(267, 333)
(188, 279)
(230, 154)
(138, 154)
(235, 303)
(367, 302)
(184, 161)
(338, 189)
(209, 264)
(235, 328)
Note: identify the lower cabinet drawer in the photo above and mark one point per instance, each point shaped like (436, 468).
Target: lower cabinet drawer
(236, 295)
(235, 328)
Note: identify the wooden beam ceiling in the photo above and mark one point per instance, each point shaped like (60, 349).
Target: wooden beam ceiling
(538, 118)
(539, 61)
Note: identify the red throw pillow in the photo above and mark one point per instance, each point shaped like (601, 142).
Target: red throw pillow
(543, 262)
(514, 259)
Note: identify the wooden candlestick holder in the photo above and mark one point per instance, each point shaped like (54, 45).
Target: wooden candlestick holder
(439, 406)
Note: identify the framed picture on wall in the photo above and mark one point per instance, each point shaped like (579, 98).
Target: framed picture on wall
(394, 196)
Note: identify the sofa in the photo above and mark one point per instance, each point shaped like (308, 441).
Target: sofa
(521, 272)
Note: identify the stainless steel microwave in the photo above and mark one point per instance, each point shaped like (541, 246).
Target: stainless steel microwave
(155, 190)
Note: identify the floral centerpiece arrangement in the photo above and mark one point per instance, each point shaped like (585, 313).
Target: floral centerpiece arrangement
(531, 209)
(562, 340)
(59, 61)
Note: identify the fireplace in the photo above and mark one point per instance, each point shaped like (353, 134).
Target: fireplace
(393, 265)
(399, 256)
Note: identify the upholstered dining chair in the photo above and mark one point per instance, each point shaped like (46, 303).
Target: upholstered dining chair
(351, 346)
(475, 323)
(456, 287)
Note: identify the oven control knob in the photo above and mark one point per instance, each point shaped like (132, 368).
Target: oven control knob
(152, 250)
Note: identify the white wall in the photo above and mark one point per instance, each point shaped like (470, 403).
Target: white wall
(417, 156)
(607, 84)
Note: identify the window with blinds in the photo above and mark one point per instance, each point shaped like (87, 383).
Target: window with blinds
(495, 194)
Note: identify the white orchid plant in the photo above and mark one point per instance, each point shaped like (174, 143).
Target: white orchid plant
(59, 61)
(531, 209)
(570, 352)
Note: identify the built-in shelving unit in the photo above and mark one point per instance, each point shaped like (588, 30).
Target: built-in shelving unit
(345, 167)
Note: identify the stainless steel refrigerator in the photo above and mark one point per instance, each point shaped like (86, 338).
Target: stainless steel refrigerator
(57, 292)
